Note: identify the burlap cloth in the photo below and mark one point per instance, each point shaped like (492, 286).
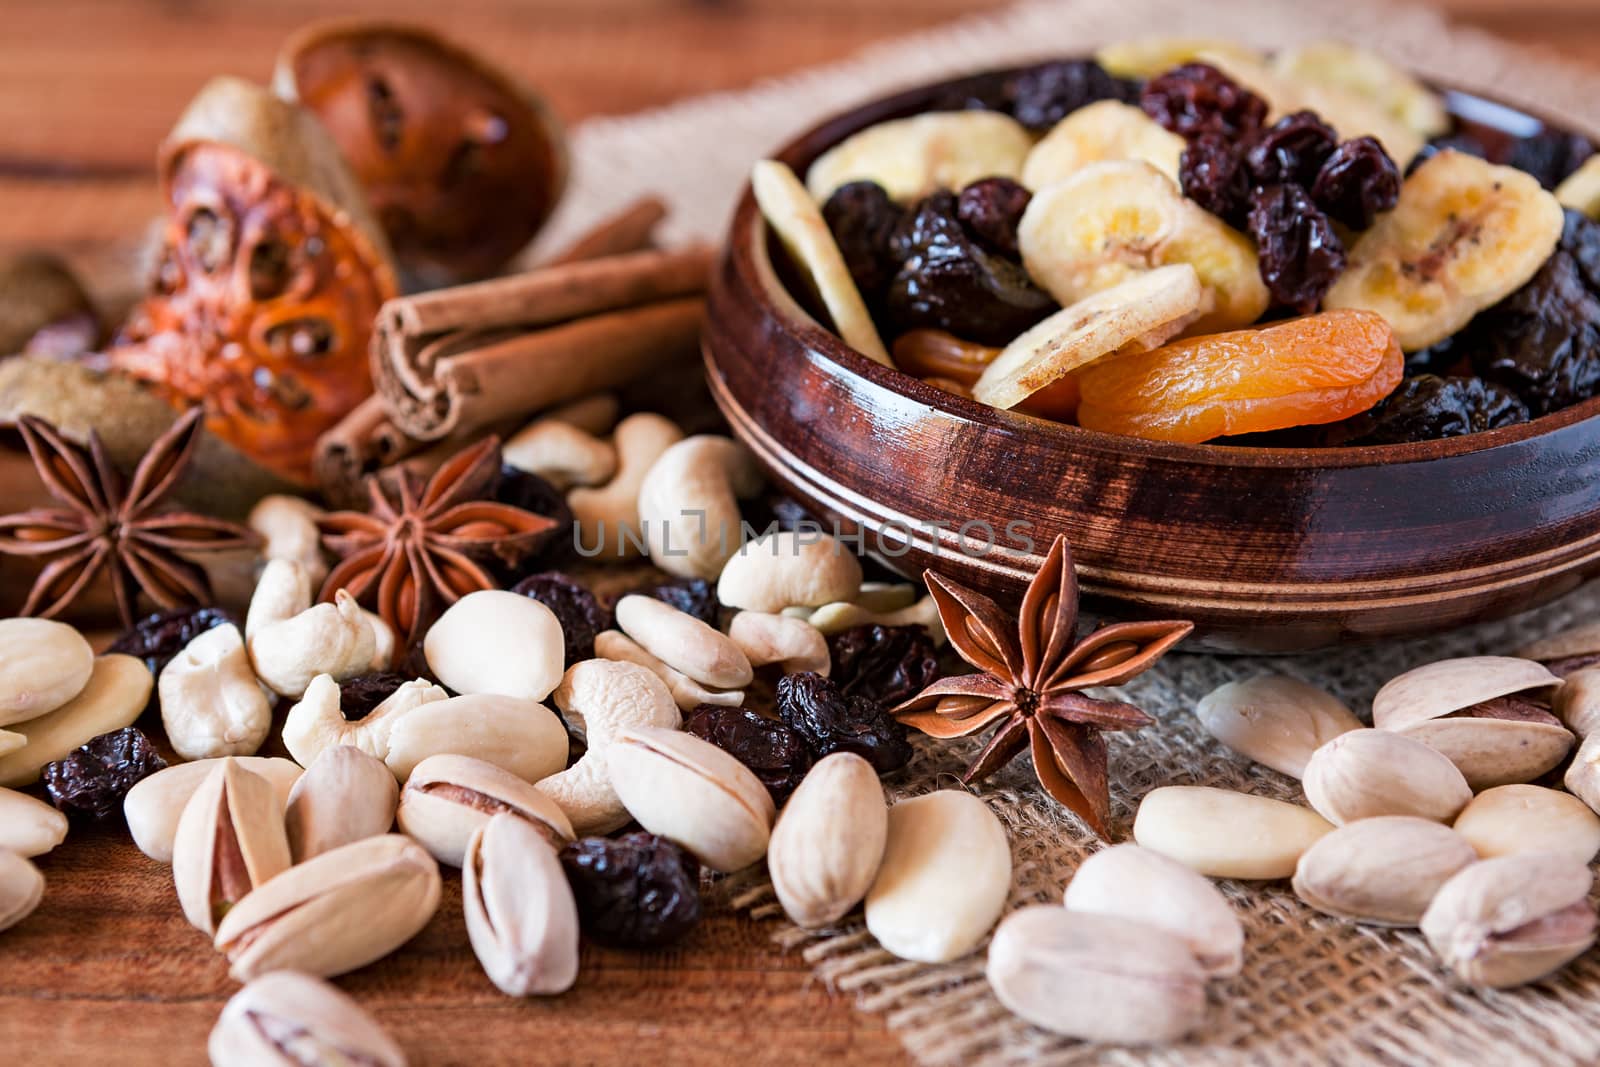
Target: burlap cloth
(1314, 990)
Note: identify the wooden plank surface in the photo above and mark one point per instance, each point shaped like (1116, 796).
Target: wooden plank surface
(107, 970)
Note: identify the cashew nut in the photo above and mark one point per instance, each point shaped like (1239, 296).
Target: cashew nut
(683, 642)
(288, 529)
(561, 454)
(292, 641)
(317, 723)
(493, 641)
(840, 616)
(211, 702)
(789, 568)
(689, 504)
(605, 698)
(383, 641)
(608, 516)
(793, 644)
(594, 414)
(688, 693)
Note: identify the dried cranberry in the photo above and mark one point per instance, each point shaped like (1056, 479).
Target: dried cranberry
(1198, 98)
(862, 218)
(579, 611)
(359, 695)
(889, 664)
(1550, 155)
(1300, 253)
(774, 751)
(1357, 183)
(692, 596)
(1427, 408)
(991, 210)
(833, 721)
(158, 638)
(1291, 150)
(637, 891)
(1043, 95)
(94, 777)
(1213, 175)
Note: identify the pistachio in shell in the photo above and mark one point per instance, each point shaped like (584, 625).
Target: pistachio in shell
(43, 307)
(461, 162)
(1569, 650)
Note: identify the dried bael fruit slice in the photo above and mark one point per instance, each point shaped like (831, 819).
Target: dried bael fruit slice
(790, 211)
(913, 157)
(947, 362)
(461, 162)
(1581, 189)
(1145, 57)
(1142, 313)
(1107, 130)
(271, 273)
(1465, 235)
(1367, 75)
(1111, 221)
(1316, 369)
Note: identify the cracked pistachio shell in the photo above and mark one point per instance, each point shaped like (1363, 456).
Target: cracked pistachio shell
(287, 1019)
(155, 804)
(1366, 773)
(523, 736)
(1512, 920)
(1491, 752)
(344, 796)
(230, 839)
(1437, 689)
(944, 879)
(521, 917)
(43, 664)
(692, 793)
(1224, 834)
(21, 888)
(1383, 870)
(28, 826)
(1583, 640)
(1582, 778)
(829, 841)
(1529, 818)
(117, 691)
(1096, 977)
(1275, 720)
(1577, 702)
(335, 912)
(1139, 884)
(448, 798)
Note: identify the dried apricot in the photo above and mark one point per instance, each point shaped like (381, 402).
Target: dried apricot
(1306, 371)
(947, 362)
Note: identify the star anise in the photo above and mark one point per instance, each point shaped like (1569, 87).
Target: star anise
(1032, 680)
(106, 527)
(423, 546)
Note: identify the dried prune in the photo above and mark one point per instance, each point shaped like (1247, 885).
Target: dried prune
(579, 611)
(978, 92)
(1459, 141)
(158, 638)
(862, 218)
(1543, 341)
(1198, 98)
(889, 664)
(636, 891)
(359, 695)
(991, 210)
(1427, 408)
(947, 281)
(1301, 255)
(772, 749)
(1357, 183)
(1291, 150)
(833, 721)
(1214, 176)
(94, 777)
(1549, 155)
(1043, 95)
(692, 596)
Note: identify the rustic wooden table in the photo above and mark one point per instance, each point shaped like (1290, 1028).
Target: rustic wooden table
(107, 968)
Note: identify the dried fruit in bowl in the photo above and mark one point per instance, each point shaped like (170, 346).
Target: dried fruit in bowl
(1111, 221)
(946, 362)
(1581, 190)
(462, 163)
(1146, 57)
(1358, 72)
(1317, 369)
(913, 157)
(1464, 235)
(1106, 130)
(271, 273)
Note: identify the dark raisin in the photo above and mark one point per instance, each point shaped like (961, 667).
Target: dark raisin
(1198, 98)
(1213, 175)
(862, 218)
(1357, 183)
(832, 721)
(991, 210)
(94, 777)
(947, 281)
(637, 891)
(1301, 255)
(978, 92)
(1427, 408)
(579, 611)
(774, 751)
(359, 695)
(527, 491)
(158, 638)
(1291, 151)
(1459, 141)
(776, 512)
(692, 596)
(1550, 155)
(1043, 95)
(889, 664)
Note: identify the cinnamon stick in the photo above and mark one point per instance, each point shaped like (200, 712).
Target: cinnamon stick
(630, 230)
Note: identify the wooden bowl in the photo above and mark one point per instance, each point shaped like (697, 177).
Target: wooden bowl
(1265, 549)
